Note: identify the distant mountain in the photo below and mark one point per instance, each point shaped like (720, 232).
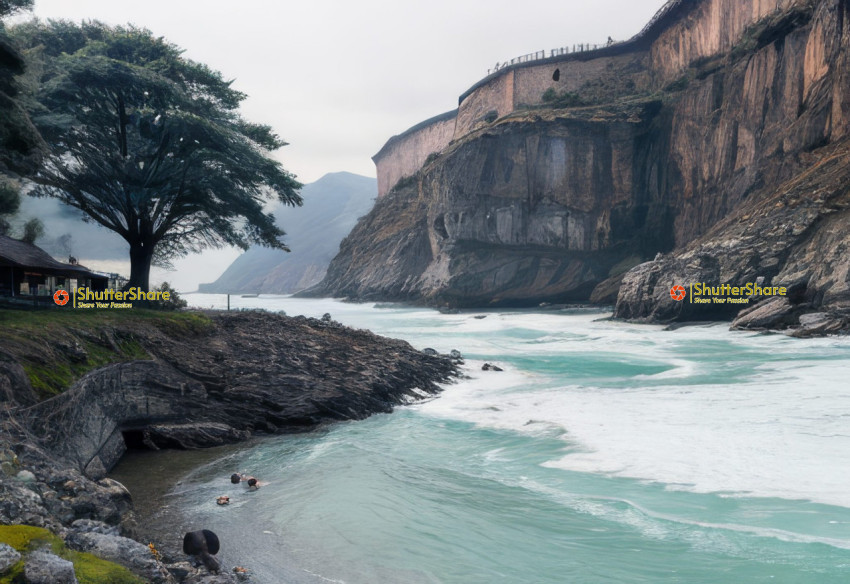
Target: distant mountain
(332, 206)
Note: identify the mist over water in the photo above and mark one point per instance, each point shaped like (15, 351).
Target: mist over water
(605, 452)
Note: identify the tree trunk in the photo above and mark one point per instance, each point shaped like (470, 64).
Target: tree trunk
(141, 256)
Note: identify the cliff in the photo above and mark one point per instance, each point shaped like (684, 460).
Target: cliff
(80, 388)
(676, 141)
(511, 215)
(332, 205)
(787, 221)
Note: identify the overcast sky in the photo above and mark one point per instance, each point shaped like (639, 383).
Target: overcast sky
(337, 78)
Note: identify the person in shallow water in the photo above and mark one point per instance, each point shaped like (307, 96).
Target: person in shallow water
(238, 478)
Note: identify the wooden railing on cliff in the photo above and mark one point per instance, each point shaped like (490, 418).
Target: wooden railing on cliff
(670, 11)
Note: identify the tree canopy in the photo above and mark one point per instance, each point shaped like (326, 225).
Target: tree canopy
(10, 6)
(19, 141)
(150, 144)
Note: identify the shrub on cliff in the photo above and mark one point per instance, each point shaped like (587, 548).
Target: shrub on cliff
(174, 301)
(564, 99)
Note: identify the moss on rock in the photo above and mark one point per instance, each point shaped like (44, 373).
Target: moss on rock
(88, 568)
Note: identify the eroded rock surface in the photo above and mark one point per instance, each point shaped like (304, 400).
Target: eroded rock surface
(719, 171)
(237, 375)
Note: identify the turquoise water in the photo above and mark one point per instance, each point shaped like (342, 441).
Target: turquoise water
(605, 452)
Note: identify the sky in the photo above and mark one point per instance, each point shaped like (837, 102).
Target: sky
(337, 78)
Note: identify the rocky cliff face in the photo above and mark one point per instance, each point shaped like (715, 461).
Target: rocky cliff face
(541, 207)
(552, 204)
(786, 221)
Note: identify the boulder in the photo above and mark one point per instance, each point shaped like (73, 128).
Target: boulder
(8, 557)
(774, 312)
(819, 324)
(131, 554)
(42, 567)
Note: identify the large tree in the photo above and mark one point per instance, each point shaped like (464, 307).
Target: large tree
(150, 144)
(19, 141)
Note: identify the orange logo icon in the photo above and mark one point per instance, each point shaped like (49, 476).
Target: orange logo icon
(677, 293)
(61, 297)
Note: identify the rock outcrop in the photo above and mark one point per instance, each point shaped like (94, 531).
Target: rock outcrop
(195, 381)
(724, 157)
(244, 373)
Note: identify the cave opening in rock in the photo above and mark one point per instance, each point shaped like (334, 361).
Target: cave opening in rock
(556, 76)
(134, 439)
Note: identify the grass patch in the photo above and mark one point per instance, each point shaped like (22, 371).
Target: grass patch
(88, 568)
(92, 570)
(57, 347)
(25, 538)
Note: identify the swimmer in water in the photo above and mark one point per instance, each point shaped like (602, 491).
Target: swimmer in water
(238, 478)
(223, 500)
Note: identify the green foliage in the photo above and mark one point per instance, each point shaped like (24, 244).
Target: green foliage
(150, 144)
(8, 7)
(33, 229)
(19, 141)
(174, 301)
(23, 537)
(189, 325)
(10, 201)
(679, 84)
(89, 569)
(55, 377)
(405, 181)
(562, 100)
(10, 197)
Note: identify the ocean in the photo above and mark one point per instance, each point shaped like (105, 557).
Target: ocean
(605, 452)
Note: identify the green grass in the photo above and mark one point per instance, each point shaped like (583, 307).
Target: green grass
(36, 339)
(88, 568)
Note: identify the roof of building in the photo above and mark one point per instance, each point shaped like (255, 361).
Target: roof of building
(20, 254)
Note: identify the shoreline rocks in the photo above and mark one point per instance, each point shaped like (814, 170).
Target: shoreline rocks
(243, 374)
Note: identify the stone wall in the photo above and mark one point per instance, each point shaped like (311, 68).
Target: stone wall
(691, 32)
(604, 77)
(487, 103)
(405, 154)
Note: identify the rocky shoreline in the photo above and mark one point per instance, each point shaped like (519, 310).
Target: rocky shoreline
(226, 378)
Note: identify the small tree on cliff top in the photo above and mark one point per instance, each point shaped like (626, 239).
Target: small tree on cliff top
(150, 145)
